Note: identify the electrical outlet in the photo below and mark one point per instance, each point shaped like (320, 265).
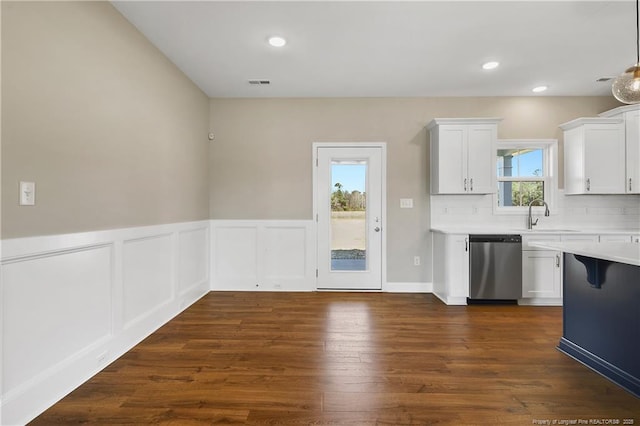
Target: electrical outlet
(416, 260)
(27, 194)
(406, 203)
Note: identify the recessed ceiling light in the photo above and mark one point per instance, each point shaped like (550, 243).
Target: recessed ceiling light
(539, 89)
(490, 65)
(277, 41)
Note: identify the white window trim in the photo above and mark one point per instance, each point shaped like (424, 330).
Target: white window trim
(550, 160)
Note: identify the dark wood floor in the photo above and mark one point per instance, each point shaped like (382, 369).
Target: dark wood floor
(347, 358)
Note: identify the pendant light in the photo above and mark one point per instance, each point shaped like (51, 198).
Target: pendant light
(626, 88)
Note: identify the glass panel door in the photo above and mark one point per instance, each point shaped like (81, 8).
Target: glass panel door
(349, 215)
(349, 199)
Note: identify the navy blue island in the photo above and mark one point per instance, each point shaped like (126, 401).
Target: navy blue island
(601, 308)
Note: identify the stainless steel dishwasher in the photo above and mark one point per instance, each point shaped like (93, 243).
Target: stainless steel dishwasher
(495, 268)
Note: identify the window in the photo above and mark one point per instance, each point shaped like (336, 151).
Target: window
(526, 171)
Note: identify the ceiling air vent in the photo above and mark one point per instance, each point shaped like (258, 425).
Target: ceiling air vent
(259, 82)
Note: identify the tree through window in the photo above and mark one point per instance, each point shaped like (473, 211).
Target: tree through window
(525, 172)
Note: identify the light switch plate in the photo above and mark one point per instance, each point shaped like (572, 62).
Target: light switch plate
(27, 193)
(406, 203)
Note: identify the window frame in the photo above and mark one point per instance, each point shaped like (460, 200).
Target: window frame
(550, 176)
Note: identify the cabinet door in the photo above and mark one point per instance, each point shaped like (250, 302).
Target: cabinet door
(604, 155)
(481, 161)
(459, 266)
(632, 136)
(452, 160)
(574, 179)
(541, 275)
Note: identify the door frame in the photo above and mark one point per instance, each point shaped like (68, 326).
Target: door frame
(383, 190)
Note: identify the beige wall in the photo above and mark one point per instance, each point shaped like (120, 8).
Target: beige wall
(113, 134)
(260, 161)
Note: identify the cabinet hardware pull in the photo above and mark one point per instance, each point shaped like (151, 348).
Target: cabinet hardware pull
(465, 184)
(557, 260)
(629, 184)
(471, 183)
(466, 244)
(588, 184)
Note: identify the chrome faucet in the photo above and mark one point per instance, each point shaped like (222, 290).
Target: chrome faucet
(530, 222)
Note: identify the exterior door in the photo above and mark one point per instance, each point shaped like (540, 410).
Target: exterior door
(349, 208)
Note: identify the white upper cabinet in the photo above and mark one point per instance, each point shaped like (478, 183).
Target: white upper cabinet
(631, 116)
(463, 155)
(594, 156)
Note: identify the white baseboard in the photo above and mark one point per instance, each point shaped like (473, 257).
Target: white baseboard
(450, 300)
(524, 302)
(541, 301)
(396, 287)
(74, 303)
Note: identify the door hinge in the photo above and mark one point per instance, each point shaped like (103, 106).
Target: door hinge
(316, 273)
(316, 162)
(316, 217)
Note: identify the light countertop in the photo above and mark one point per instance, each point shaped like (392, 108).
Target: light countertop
(628, 253)
(523, 231)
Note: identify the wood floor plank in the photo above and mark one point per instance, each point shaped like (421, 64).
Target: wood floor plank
(346, 359)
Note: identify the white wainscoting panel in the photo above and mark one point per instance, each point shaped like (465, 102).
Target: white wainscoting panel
(235, 256)
(286, 256)
(147, 275)
(64, 297)
(263, 255)
(194, 262)
(72, 304)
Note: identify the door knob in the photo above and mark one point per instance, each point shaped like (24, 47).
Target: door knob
(377, 229)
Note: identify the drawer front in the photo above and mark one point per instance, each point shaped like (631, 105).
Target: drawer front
(616, 238)
(526, 239)
(592, 238)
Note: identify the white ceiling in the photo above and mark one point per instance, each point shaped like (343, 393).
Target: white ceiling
(393, 48)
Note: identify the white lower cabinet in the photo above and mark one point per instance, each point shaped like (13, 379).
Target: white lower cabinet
(451, 268)
(541, 275)
(542, 269)
(541, 272)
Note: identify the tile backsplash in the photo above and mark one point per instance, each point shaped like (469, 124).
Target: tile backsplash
(569, 211)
